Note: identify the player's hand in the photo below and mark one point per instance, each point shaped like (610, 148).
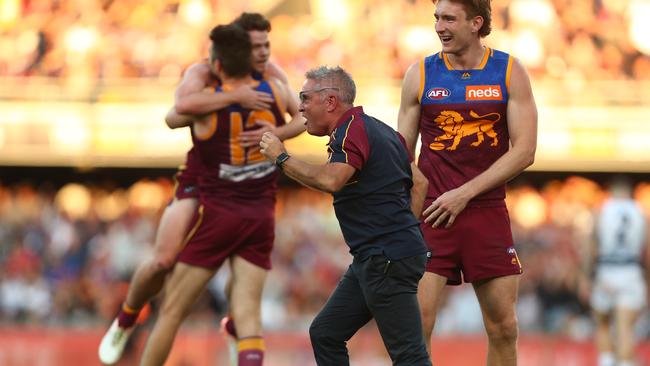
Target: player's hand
(446, 208)
(253, 137)
(271, 146)
(250, 98)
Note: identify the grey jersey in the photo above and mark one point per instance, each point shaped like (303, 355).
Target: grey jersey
(621, 232)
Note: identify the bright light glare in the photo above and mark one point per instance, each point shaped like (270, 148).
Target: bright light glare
(195, 12)
(538, 12)
(75, 200)
(9, 11)
(80, 39)
(333, 11)
(530, 209)
(419, 38)
(639, 27)
(528, 48)
(69, 134)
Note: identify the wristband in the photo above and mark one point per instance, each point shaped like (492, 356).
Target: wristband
(279, 161)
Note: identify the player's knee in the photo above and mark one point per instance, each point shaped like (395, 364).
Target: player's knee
(428, 320)
(505, 331)
(163, 263)
(318, 332)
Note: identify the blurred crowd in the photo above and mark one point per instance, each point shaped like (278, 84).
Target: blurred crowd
(67, 254)
(93, 40)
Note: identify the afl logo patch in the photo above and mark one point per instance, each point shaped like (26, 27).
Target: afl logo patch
(438, 93)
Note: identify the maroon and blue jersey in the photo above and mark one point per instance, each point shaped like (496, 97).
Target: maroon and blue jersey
(241, 178)
(374, 207)
(188, 173)
(463, 122)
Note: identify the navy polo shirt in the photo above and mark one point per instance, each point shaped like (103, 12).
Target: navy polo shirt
(374, 207)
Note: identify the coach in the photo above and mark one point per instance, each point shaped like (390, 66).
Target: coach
(376, 190)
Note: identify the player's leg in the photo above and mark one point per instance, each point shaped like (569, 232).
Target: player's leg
(498, 299)
(603, 338)
(183, 289)
(149, 276)
(430, 292)
(342, 316)
(602, 303)
(247, 284)
(227, 323)
(625, 320)
(442, 268)
(250, 260)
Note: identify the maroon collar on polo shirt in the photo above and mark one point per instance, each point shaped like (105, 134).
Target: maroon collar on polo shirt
(349, 113)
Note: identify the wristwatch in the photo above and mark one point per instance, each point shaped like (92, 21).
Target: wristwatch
(279, 161)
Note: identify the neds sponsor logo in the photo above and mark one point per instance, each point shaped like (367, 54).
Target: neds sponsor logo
(483, 92)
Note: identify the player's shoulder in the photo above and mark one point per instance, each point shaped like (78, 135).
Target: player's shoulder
(499, 55)
(277, 85)
(274, 81)
(273, 70)
(200, 67)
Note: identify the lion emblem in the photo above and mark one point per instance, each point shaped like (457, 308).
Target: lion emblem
(456, 127)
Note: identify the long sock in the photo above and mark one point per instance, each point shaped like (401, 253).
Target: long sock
(127, 316)
(251, 351)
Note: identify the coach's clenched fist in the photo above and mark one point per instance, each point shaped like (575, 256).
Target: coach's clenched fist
(271, 146)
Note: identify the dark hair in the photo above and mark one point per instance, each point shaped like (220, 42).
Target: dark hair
(231, 46)
(253, 21)
(475, 8)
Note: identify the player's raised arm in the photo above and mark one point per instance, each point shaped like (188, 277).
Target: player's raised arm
(191, 97)
(177, 120)
(296, 125)
(293, 128)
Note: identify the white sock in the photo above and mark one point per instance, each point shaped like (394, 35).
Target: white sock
(606, 359)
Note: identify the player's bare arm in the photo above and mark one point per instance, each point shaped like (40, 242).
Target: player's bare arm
(191, 97)
(297, 124)
(328, 178)
(409, 110)
(273, 70)
(522, 126)
(177, 120)
(195, 79)
(407, 125)
(294, 127)
(418, 191)
(289, 104)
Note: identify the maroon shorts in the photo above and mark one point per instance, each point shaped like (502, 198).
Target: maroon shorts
(217, 233)
(479, 245)
(186, 183)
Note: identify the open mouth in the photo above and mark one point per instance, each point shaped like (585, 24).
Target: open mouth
(445, 39)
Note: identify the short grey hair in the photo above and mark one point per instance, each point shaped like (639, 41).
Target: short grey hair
(335, 77)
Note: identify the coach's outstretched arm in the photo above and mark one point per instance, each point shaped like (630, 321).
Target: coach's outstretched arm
(330, 177)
